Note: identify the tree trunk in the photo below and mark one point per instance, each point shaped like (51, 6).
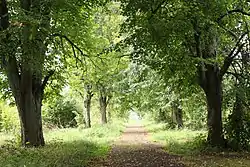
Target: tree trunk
(177, 114)
(103, 109)
(213, 90)
(104, 100)
(25, 74)
(31, 120)
(87, 105)
(28, 98)
(210, 79)
(236, 127)
(109, 115)
(179, 119)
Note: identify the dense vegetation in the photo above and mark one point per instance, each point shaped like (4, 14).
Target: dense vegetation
(69, 65)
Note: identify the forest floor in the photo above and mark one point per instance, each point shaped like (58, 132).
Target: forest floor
(134, 149)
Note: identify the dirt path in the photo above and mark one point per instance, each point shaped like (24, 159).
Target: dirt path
(133, 149)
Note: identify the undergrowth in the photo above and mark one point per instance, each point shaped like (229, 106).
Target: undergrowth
(64, 147)
(191, 146)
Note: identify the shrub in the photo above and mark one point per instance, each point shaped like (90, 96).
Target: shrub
(237, 131)
(9, 121)
(61, 113)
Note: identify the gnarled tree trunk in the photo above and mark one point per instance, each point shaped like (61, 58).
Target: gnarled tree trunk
(29, 108)
(28, 93)
(210, 78)
(25, 72)
(213, 90)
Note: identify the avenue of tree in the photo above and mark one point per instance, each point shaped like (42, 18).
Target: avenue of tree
(175, 60)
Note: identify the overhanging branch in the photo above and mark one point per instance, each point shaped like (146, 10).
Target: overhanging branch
(229, 59)
(240, 11)
(73, 45)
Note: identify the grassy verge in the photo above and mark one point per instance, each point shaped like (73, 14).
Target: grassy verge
(65, 147)
(190, 146)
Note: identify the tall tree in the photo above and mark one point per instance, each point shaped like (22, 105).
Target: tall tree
(28, 54)
(24, 67)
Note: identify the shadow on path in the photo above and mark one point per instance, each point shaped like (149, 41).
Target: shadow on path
(133, 149)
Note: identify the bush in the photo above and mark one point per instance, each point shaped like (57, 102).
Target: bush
(9, 120)
(237, 131)
(61, 113)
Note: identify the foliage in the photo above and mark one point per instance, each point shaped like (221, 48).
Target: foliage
(191, 44)
(9, 121)
(194, 107)
(238, 133)
(142, 89)
(62, 113)
(237, 127)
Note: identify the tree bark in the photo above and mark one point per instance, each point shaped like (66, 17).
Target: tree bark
(237, 116)
(179, 118)
(213, 91)
(28, 98)
(210, 78)
(30, 113)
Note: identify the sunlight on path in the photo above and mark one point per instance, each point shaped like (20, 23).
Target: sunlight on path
(133, 149)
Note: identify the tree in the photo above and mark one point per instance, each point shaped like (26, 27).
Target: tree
(28, 48)
(99, 71)
(109, 61)
(24, 67)
(236, 98)
(192, 40)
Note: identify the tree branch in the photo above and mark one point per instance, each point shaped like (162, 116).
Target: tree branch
(109, 98)
(71, 43)
(75, 47)
(228, 31)
(46, 79)
(233, 12)
(80, 93)
(13, 75)
(229, 59)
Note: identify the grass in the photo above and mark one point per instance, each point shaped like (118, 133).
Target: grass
(189, 144)
(64, 147)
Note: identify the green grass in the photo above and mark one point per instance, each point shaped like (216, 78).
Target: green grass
(190, 145)
(64, 148)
